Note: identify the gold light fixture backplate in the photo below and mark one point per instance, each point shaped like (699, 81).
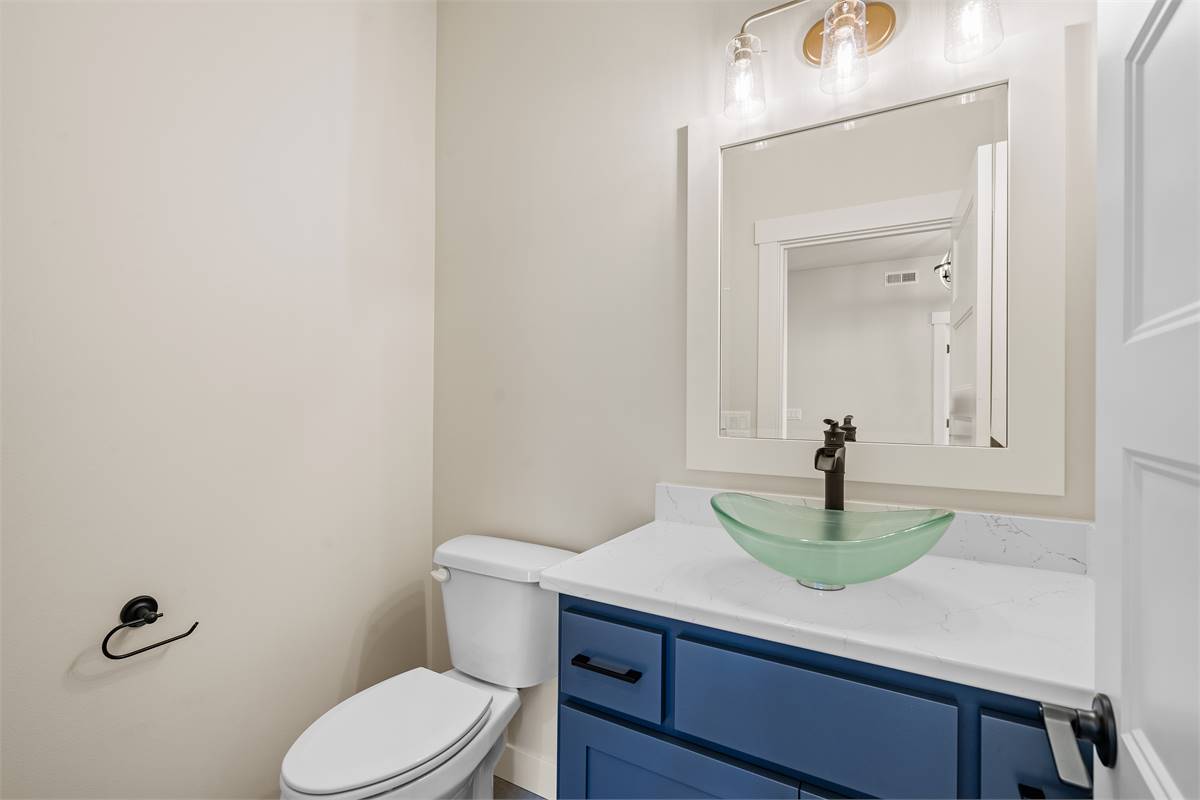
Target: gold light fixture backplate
(881, 24)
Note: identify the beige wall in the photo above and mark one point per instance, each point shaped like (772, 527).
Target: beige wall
(561, 264)
(217, 380)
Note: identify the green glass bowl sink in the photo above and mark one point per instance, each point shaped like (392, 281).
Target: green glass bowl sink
(829, 549)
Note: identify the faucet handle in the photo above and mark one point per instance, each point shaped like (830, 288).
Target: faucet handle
(850, 429)
(835, 436)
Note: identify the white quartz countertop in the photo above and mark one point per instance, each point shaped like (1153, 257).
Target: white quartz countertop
(1021, 631)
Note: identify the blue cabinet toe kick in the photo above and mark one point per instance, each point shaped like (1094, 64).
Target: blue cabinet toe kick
(651, 707)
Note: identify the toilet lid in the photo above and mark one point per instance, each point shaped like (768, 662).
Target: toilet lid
(397, 726)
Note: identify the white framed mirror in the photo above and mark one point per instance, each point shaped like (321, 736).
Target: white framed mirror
(845, 267)
(897, 255)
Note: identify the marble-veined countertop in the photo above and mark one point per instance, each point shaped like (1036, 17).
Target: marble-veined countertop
(1017, 630)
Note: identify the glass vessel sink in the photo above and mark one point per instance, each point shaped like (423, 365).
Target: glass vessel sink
(829, 549)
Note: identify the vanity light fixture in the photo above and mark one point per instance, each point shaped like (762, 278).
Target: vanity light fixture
(973, 29)
(880, 26)
(840, 42)
(744, 95)
(844, 47)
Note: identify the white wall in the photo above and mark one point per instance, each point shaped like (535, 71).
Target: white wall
(857, 346)
(217, 380)
(561, 196)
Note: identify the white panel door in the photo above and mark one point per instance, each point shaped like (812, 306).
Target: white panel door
(1146, 553)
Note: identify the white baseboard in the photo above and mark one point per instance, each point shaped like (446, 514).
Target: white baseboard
(531, 772)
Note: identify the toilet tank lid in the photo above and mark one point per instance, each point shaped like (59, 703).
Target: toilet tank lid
(508, 559)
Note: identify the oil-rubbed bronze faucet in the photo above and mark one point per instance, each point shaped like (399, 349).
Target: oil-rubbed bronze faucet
(831, 459)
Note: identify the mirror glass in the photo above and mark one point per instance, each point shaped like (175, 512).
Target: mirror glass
(864, 272)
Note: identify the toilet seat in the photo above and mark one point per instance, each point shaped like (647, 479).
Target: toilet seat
(386, 736)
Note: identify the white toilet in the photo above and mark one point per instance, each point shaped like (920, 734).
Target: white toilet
(429, 735)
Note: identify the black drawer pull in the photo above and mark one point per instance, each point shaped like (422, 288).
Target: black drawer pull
(629, 676)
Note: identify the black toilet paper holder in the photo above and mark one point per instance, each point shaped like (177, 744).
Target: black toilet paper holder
(141, 610)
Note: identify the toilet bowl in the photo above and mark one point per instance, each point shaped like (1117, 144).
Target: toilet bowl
(422, 734)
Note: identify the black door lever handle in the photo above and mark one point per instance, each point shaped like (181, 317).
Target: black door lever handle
(1064, 726)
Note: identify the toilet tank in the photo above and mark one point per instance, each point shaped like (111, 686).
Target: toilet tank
(502, 626)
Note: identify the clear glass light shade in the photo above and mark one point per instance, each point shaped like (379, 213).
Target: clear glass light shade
(844, 47)
(745, 97)
(973, 29)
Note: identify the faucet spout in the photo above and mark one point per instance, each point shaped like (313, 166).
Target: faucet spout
(830, 458)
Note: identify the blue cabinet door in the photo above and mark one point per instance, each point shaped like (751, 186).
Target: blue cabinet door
(600, 758)
(1016, 762)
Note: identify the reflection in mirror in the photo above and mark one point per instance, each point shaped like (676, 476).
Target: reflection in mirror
(864, 271)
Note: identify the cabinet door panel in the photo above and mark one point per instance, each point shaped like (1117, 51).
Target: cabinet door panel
(1016, 762)
(599, 758)
(613, 778)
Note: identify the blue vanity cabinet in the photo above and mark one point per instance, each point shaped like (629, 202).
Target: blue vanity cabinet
(600, 757)
(813, 793)
(613, 665)
(817, 723)
(1018, 764)
(651, 707)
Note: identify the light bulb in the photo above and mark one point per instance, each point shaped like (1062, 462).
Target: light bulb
(743, 83)
(744, 94)
(844, 59)
(973, 29)
(844, 47)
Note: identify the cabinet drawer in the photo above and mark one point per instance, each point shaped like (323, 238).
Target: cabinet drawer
(808, 792)
(613, 665)
(1016, 762)
(880, 742)
(599, 758)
